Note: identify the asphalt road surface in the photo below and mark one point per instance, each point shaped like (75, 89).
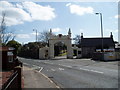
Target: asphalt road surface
(77, 73)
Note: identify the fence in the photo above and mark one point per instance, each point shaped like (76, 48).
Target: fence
(14, 82)
(106, 56)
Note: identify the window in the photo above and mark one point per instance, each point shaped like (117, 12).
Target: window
(79, 52)
(10, 58)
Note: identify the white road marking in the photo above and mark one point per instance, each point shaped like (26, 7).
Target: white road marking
(91, 70)
(26, 63)
(61, 69)
(35, 67)
(66, 66)
(37, 61)
(63, 65)
(41, 69)
(69, 66)
(53, 69)
(96, 71)
(84, 69)
(48, 63)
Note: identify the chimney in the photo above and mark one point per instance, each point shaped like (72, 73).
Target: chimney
(50, 31)
(81, 35)
(111, 36)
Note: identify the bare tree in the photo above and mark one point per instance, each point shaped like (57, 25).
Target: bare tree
(43, 36)
(4, 34)
(2, 28)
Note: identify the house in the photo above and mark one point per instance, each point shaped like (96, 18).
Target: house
(11, 70)
(90, 45)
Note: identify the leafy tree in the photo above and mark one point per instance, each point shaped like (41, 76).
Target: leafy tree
(31, 50)
(15, 45)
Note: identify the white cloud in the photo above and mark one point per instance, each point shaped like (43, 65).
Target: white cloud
(56, 29)
(68, 4)
(25, 11)
(117, 16)
(112, 30)
(39, 12)
(24, 36)
(81, 30)
(76, 9)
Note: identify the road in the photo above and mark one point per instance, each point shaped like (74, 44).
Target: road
(77, 73)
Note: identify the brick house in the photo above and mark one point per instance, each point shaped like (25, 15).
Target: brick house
(90, 45)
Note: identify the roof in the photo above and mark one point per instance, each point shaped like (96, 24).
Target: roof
(93, 42)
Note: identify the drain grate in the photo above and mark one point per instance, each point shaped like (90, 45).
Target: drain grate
(50, 77)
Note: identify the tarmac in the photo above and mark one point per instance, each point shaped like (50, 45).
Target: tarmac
(35, 79)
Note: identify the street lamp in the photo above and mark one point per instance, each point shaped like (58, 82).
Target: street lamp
(36, 33)
(101, 28)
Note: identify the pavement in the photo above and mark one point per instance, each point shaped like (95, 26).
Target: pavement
(36, 79)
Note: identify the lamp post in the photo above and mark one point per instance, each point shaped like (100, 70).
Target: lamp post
(36, 33)
(101, 29)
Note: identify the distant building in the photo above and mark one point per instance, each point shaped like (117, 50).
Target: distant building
(90, 45)
(117, 47)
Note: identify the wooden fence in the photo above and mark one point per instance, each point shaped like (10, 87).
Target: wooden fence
(14, 82)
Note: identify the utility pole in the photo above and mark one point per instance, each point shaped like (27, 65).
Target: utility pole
(36, 33)
(101, 30)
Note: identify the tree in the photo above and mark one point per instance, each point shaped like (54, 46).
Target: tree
(77, 39)
(4, 34)
(31, 50)
(15, 45)
(44, 36)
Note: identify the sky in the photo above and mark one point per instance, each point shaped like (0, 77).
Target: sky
(23, 17)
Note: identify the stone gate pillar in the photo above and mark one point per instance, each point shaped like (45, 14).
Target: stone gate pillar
(51, 50)
(60, 38)
(69, 50)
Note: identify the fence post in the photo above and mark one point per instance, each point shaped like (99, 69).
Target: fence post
(19, 79)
